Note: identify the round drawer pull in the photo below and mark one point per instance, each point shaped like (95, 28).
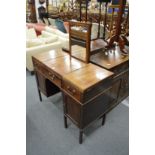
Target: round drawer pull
(74, 91)
(49, 73)
(53, 76)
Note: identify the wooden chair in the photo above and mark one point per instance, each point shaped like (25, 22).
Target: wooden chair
(79, 35)
(80, 44)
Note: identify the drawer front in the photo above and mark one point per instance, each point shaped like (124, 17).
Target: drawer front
(46, 86)
(71, 90)
(48, 74)
(54, 78)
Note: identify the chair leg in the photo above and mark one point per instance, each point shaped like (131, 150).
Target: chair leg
(103, 119)
(32, 72)
(80, 136)
(65, 122)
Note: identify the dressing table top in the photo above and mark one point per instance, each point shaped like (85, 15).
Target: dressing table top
(109, 59)
(87, 76)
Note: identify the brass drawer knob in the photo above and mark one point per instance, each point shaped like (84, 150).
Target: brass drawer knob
(68, 87)
(53, 76)
(74, 91)
(49, 73)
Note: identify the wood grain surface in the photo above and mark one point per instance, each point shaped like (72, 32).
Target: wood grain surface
(51, 54)
(87, 76)
(64, 65)
(109, 59)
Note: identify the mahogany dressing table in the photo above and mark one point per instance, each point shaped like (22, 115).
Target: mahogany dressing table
(92, 82)
(87, 88)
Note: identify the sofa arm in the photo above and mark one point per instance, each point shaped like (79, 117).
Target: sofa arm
(39, 49)
(47, 34)
(56, 32)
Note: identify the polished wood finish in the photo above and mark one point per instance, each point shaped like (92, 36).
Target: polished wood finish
(85, 87)
(54, 68)
(52, 54)
(109, 59)
(115, 61)
(84, 33)
(87, 77)
(89, 90)
(83, 38)
(85, 83)
(64, 65)
(97, 46)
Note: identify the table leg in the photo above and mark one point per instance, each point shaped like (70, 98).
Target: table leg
(38, 85)
(80, 136)
(39, 95)
(65, 122)
(103, 119)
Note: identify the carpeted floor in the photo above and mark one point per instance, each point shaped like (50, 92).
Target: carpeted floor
(46, 134)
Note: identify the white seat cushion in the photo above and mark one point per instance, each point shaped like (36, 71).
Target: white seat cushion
(45, 34)
(57, 32)
(61, 34)
(49, 29)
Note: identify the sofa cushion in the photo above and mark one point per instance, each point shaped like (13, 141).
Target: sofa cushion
(60, 25)
(31, 33)
(34, 42)
(61, 34)
(45, 34)
(49, 29)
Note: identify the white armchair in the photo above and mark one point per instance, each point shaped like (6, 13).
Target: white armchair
(62, 37)
(39, 44)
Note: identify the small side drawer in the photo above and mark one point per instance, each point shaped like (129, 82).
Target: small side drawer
(71, 90)
(53, 77)
(48, 74)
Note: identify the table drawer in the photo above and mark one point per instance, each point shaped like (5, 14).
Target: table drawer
(54, 78)
(72, 90)
(48, 73)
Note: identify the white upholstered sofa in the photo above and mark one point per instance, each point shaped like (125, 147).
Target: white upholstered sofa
(38, 44)
(57, 39)
(62, 37)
